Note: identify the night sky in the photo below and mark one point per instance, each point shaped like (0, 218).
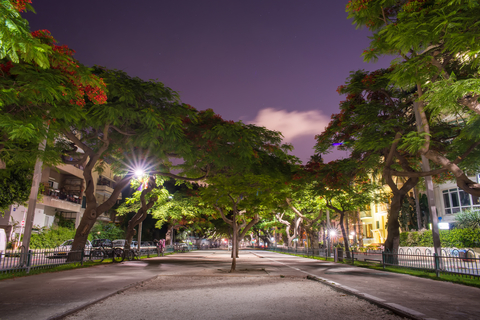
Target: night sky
(273, 63)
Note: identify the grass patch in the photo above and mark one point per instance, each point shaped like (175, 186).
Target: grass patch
(460, 279)
(48, 269)
(63, 267)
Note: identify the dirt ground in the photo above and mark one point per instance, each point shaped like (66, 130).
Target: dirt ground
(240, 297)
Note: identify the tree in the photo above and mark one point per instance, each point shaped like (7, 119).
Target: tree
(140, 118)
(15, 186)
(241, 198)
(438, 45)
(372, 124)
(34, 98)
(17, 44)
(301, 198)
(310, 215)
(294, 223)
(344, 185)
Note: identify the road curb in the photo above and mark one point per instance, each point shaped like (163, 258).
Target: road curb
(398, 312)
(83, 306)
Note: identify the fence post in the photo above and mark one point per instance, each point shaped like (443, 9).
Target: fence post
(383, 259)
(353, 257)
(437, 264)
(29, 260)
(82, 256)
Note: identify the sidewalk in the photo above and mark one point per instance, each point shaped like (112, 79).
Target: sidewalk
(48, 295)
(51, 295)
(419, 297)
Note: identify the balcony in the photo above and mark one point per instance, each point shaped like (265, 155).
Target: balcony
(72, 205)
(76, 170)
(104, 190)
(365, 214)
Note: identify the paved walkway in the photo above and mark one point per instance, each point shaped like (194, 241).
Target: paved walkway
(52, 295)
(418, 297)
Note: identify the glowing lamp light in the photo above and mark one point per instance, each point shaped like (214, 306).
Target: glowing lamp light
(337, 144)
(139, 173)
(333, 233)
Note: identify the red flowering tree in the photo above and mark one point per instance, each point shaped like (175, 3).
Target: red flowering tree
(372, 124)
(34, 97)
(437, 45)
(17, 43)
(139, 126)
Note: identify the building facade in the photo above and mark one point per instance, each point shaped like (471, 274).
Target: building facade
(62, 194)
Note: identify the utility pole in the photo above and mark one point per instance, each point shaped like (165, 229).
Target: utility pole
(139, 236)
(429, 187)
(32, 201)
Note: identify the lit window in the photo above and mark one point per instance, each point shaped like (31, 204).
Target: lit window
(457, 200)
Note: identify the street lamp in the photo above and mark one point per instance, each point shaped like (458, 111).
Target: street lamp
(139, 172)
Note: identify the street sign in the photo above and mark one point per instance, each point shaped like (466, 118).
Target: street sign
(23, 223)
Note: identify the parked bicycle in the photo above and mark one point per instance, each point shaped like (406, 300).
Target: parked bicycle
(103, 248)
(132, 254)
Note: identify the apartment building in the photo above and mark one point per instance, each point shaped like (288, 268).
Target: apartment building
(62, 193)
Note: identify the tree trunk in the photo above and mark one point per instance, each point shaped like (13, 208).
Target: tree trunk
(360, 230)
(234, 241)
(347, 227)
(313, 235)
(393, 238)
(344, 234)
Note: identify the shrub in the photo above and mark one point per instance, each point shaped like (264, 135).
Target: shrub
(51, 238)
(460, 238)
(468, 219)
(107, 231)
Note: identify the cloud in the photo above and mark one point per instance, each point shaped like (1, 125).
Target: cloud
(293, 124)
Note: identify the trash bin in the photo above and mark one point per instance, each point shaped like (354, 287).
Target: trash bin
(338, 254)
(463, 254)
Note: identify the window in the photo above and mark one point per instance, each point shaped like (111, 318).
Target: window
(457, 200)
(368, 230)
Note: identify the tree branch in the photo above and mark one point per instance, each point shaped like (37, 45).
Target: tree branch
(229, 221)
(122, 132)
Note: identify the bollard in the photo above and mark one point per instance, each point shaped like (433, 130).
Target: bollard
(437, 265)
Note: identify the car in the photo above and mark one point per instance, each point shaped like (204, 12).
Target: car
(119, 243)
(3, 242)
(102, 243)
(146, 244)
(62, 250)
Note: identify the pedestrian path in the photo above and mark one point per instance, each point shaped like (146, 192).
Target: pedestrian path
(419, 297)
(54, 295)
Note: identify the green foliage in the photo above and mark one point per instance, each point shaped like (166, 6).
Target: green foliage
(15, 184)
(468, 219)
(65, 223)
(458, 238)
(51, 238)
(15, 39)
(107, 231)
(408, 214)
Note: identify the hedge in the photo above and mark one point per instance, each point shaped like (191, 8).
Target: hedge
(51, 238)
(459, 238)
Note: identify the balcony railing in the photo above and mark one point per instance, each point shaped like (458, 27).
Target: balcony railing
(365, 214)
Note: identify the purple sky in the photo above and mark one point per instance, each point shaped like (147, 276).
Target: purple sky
(274, 63)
